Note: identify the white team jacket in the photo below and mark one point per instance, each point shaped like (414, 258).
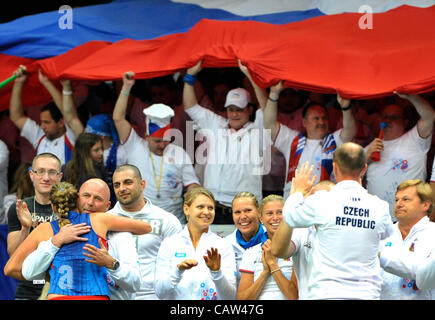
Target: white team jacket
(163, 224)
(407, 263)
(198, 283)
(350, 224)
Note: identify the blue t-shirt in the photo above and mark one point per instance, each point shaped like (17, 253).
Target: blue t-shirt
(70, 274)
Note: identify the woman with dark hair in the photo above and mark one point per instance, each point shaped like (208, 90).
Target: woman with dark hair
(87, 161)
(71, 276)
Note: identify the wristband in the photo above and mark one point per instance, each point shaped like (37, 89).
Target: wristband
(67, 93)
(188, 78)
(125, 93)
(273, 100)
(345, 109)
(271, 272)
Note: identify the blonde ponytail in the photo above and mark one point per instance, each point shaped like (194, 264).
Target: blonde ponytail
(63, 196)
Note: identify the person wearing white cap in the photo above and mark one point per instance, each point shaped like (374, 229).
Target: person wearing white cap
(166, 168)
(234, 147)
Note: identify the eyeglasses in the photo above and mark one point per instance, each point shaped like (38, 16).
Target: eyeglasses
(41, 172)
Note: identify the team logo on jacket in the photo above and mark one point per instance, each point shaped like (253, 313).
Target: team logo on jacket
(400, 164)
(207, 293)
(410, 285)
(180, 254)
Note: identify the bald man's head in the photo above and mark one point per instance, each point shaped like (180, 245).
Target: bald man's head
(94, 196)
(350, 158)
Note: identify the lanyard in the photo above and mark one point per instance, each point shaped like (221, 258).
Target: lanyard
(159, 182)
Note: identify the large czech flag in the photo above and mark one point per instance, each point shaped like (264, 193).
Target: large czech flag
(360, 49)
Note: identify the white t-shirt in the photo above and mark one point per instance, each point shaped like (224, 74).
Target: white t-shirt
(197, 283)
(234, 160)
(402, 159)
(401, 258)
(164, 224)
(312, 152)
(177, 173)
(303, 239)
(252, 263)
(35, 135)
(350, 224)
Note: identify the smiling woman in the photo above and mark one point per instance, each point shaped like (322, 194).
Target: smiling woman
(249, 231)
(196, 263)
(263, 276)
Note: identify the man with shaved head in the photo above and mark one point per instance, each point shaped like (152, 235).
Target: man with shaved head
(129, 186)
(120, 259)
(350, 223)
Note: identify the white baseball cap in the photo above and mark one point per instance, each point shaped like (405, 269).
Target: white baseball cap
(238, 97)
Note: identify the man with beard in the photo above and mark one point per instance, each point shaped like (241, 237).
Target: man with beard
(53, 135)
(129, 187)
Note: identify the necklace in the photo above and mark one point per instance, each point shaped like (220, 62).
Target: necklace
(157, 182)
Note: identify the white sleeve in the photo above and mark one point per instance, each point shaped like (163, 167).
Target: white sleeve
(225, 277)
(205, 118)
(300, 213)
(4, 156)
(395, 262)
(387, 225)
(133, 139)
(122, 247)
(70, 135)
(37, 263)
(166, 276)
(284, 139)
(32, 132)
(247, 262)
(425, 275)
(337, 137)
(406, 264)
(171, 226)
(299, 235)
